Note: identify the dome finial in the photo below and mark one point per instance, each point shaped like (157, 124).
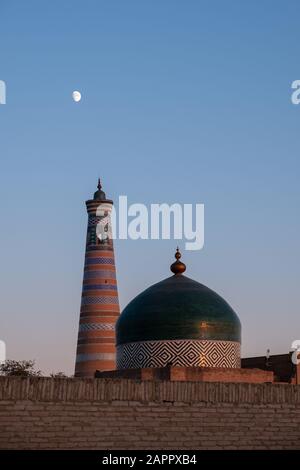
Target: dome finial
(99, 195)
(178, 267)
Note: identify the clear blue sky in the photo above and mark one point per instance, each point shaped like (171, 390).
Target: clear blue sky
(182, 101)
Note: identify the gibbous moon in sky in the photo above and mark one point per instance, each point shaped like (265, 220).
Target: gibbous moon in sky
(76, 96)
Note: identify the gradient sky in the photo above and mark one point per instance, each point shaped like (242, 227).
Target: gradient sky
(182, 101)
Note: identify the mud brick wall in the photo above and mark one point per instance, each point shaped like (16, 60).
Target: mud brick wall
(48, 413)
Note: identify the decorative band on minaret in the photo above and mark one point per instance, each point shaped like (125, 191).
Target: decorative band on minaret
(99, 303)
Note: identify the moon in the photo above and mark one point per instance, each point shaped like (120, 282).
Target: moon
(76, 95)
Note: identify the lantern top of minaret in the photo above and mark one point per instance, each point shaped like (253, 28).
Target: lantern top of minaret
(99, 195)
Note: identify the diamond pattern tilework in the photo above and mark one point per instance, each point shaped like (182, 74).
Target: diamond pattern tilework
(197, 353)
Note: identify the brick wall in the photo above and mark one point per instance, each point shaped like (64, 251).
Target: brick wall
(191, 374)
(127, 414)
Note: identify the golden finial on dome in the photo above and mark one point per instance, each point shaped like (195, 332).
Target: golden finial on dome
(178, 267)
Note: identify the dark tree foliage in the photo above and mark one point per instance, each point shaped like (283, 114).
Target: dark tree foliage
(19, 368)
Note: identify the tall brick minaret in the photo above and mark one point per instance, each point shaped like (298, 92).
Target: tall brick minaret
(99, 303)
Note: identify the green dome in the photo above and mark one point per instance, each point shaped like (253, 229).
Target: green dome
(178, 308)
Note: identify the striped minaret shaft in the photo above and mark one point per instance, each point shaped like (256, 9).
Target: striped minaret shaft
(99, 303)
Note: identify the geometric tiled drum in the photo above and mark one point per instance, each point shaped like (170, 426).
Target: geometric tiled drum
(99, 303)
(179, 322)
(185, 353)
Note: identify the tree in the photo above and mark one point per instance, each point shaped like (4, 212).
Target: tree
(19, 368)
(58, 375)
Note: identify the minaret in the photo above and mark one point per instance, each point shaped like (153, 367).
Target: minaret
(99, 303)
